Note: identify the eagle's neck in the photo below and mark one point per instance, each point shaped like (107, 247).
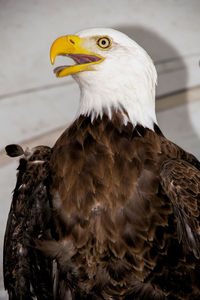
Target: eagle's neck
(133, 111)
(131, 92)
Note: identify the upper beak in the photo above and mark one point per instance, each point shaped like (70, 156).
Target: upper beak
(72, 46)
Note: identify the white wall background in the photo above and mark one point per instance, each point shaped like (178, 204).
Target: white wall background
(34, 102)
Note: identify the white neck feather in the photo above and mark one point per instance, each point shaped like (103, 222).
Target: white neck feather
(127, 82)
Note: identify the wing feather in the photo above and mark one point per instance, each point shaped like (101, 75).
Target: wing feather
(27, 272)
(181, 182)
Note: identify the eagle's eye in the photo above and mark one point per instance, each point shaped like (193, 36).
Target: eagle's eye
(104, 42)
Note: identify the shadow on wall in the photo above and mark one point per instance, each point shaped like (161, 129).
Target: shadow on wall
(172, 73)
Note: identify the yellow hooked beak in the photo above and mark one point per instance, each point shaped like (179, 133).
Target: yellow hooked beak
(72, 46)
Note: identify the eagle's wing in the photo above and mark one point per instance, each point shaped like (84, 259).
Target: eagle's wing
(181, 182)
(27, 272)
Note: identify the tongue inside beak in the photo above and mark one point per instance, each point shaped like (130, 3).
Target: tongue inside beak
(57, 70)
(84, 59)
(80, 59)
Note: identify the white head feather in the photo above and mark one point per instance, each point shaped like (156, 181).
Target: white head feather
(126, 78)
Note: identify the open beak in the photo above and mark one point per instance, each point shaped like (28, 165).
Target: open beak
(72, 46)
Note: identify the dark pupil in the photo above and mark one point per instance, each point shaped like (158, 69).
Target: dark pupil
(103, 42)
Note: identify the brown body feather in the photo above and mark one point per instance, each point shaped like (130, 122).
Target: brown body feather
(123, 232)
(115, 211)
(27, 271)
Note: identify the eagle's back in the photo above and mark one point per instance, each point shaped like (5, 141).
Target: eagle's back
(118, 234)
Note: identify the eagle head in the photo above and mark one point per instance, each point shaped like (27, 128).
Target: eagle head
(113, 72)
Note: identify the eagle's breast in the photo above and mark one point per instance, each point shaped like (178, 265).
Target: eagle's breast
(107, 187)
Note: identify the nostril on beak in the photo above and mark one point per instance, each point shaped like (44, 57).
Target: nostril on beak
(72, 41)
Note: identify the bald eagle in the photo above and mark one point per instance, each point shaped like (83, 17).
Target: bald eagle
(112, 210)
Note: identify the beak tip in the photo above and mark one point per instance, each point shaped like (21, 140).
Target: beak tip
(52, 60)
